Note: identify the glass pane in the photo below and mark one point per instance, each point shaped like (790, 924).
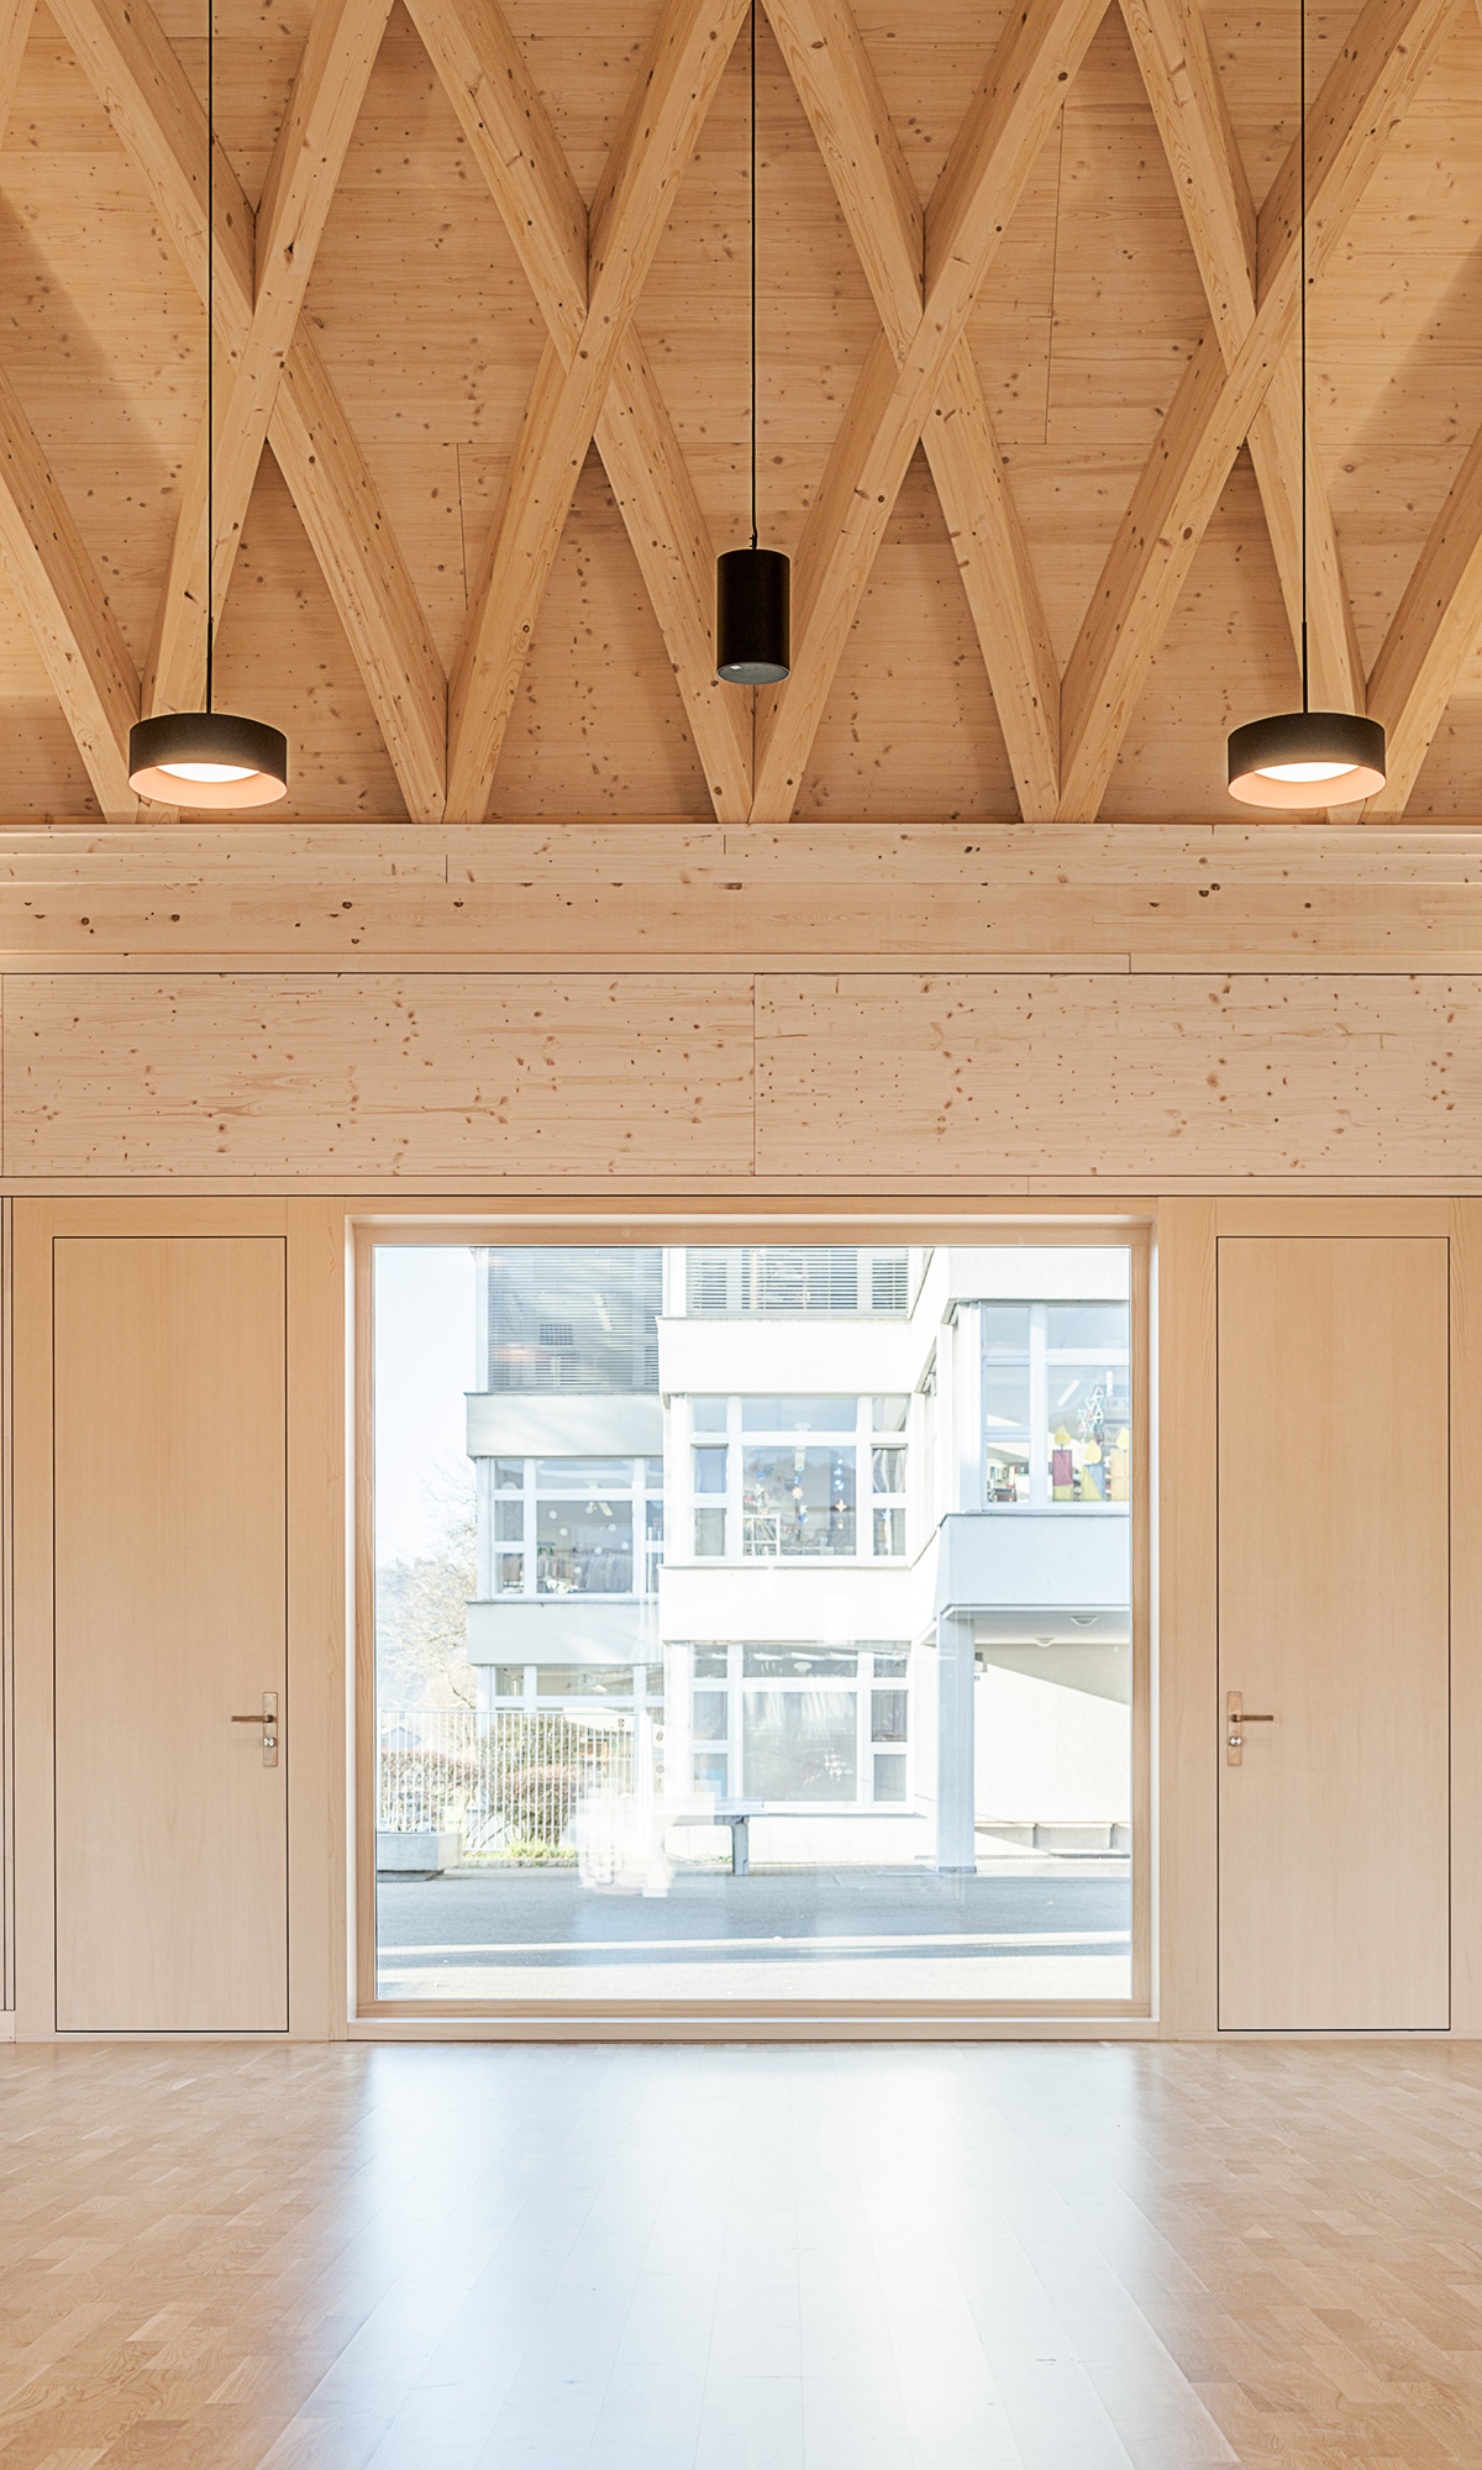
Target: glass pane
(800, 1664)
(1005, 1329)
(1090, 1433)
(1087, 1326)
(710, 1715)
(799, 1414)
(583, 1474)
(584, 1680)
(890, 1776)
(573, 1318)
(1006, 1398)
(888, 1715)
(563, 1847)
(584, 1547)
(798, 1501)
(890, 1534)
(710, 1470)
(798, 1745)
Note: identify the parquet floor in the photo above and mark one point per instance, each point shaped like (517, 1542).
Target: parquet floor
(1010, 2258)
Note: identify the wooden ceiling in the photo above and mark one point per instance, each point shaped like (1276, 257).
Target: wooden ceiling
(1029, 401)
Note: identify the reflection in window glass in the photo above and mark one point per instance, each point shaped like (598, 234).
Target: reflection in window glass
(708, 1414)
(798, 1745)
(798, 1414)
(710, 1470)
(710, 1715)
(797, 1501)
(584, 1548)
(710, 1534)
(889, 1414)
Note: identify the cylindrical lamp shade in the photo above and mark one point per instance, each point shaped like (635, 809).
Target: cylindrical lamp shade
(1304, 759)
(207, 759)
(753, 624)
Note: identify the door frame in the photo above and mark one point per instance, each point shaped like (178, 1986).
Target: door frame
(314, 1711)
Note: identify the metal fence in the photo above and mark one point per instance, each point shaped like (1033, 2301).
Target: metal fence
(510, 1783)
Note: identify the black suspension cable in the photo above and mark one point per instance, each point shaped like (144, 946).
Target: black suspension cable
(753, 273)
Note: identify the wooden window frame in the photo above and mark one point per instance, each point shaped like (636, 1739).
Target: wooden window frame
(1119, 1225)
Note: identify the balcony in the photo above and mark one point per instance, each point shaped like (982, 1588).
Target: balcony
(1077, 1558)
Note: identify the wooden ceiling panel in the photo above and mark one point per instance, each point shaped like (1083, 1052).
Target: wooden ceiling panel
(44, 773)
(282, 649)
(1128, 306)
(425, 320)
(815, 320)
(910, 688)
(597, 703)
(485, 263)
(1226, 657)
(101, 340)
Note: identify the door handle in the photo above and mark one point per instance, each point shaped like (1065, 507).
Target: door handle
(1237, 1716)
(268, 1719)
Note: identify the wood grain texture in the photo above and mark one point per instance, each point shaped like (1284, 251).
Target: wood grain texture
(1129, 1077)
(1335, 1826)
(171, 1560)
(272, 1076)
(1171, 2259)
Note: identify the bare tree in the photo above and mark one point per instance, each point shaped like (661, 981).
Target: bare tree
(422, 1612)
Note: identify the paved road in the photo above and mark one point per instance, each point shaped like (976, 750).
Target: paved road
(782, 1915)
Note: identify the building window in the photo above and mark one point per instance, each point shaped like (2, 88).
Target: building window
(567, 1526)
(800, 1727)
(1057, 1405)
(798, 1478)
(784, 1279)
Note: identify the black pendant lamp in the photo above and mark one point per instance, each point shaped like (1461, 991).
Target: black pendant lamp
(1299, 760)
(208, 759)
(753, 587)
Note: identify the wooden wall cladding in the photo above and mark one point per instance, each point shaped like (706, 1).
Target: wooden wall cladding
(1144, 1077)
(278, 1076)
(788, 1077)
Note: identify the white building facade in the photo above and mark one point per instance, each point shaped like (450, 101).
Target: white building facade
(841, 1536)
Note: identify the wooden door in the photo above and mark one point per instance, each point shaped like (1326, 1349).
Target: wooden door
(170, 1596)
(1334, 1620)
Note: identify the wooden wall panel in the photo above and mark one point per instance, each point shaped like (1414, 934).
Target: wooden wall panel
(300, 1075)
(1158, 1078)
